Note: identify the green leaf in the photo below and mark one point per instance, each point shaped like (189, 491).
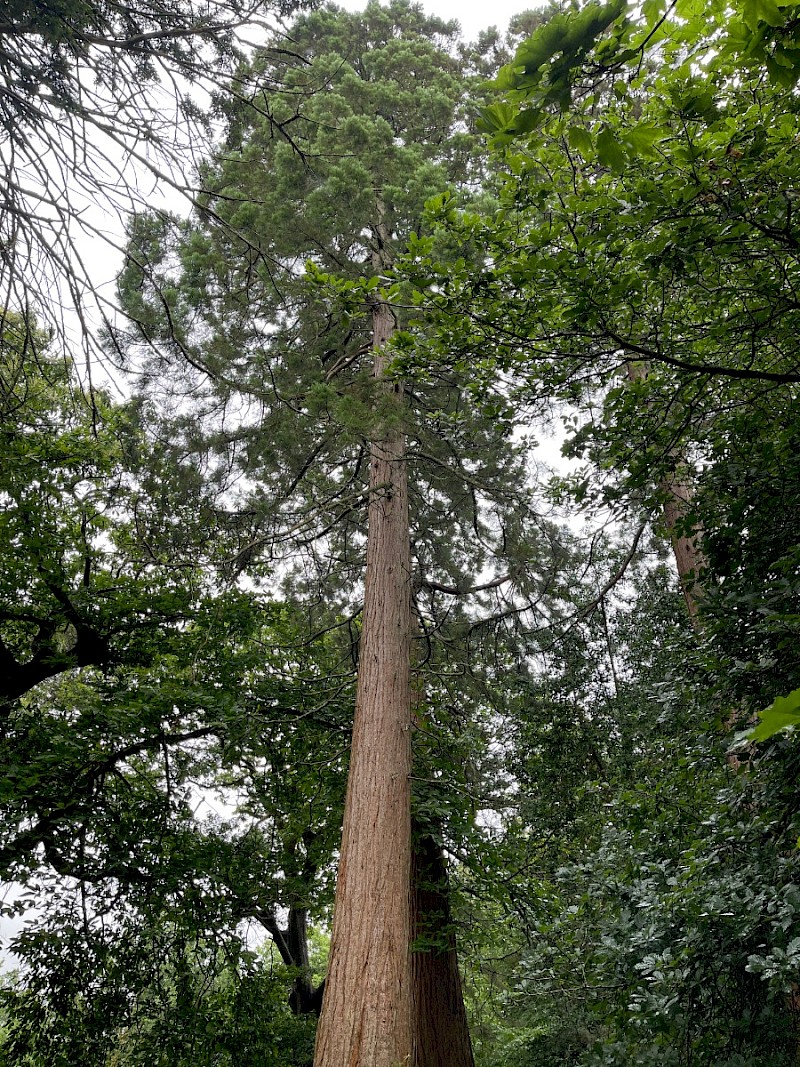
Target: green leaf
(643, 138)
(652, 11)
(496, 117)
(779, 73)
(689, 9)
(580, 139)
(769, 12)
(782, 712)
(526, 120)
(560, 43)
(610, 152)
(755, 12)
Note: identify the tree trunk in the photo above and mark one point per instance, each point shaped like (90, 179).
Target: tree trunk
(687, 544)
(304, 998)
(367, 1008)
(441, 1033)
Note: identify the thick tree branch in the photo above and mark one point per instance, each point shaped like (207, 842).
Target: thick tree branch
(455, 590)
(715, 369)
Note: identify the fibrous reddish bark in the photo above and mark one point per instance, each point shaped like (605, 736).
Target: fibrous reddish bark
(441, 1033)
(686, 541)
(687, 545)
(367, 1009)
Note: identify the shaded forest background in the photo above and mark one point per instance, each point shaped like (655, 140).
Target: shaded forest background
(582, 231)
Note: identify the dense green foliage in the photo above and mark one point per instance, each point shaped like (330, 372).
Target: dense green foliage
(641, 273)
(144, 693)
(181, 574)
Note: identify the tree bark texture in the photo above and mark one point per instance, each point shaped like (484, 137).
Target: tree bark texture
(441, 1033)
(367, 1008)
(687, 544)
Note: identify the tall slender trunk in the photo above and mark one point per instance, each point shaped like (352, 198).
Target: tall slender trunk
(367, 1008)
(441, 1033)
(686, 542)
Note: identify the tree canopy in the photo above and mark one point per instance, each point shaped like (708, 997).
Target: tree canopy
(399, 273)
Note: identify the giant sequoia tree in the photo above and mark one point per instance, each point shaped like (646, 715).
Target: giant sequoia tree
(283, 309)
(632, 895)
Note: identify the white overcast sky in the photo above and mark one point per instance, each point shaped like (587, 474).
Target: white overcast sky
(473, 15)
